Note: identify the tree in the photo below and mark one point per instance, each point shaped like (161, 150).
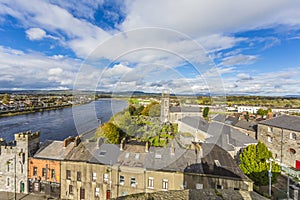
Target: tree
(131, 110)
(111, 132)
(5, 99)
(254, 164)
(205, 112)
(147, 110)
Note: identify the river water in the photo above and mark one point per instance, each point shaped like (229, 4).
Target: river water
(59, 124)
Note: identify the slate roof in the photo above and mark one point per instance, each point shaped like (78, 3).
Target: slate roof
(250, 126)
(213, 154)
(196, 122)
(184, 109)
(284, 121)
(133, 155)
(79, 153)
(106, 154)
(53, 150)
(223, 135)
(160, 158)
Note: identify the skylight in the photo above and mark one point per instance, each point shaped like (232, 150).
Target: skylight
(217, 163)
(102, 153)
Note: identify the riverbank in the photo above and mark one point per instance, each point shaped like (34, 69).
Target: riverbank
(32, 110)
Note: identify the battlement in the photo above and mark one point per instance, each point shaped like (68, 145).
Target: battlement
(27, 136)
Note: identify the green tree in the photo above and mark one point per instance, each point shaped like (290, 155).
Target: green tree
(147, 110)
(205, 112)
(111, 132)
(254, 164)
(131, 110)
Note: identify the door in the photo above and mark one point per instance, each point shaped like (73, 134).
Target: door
(22, 186)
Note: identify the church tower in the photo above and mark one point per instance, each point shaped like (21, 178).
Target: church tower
(165, 106)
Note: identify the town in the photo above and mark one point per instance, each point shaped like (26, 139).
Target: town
(158, 145)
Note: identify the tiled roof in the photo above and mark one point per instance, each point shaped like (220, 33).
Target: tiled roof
(284, 121)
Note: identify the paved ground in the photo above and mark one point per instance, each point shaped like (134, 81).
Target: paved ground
(10, 196)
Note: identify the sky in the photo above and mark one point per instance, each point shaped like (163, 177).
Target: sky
(226, 47)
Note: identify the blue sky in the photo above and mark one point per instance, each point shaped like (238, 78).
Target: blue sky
(248, 47)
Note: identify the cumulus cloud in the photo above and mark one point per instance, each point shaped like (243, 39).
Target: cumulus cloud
(35, 33)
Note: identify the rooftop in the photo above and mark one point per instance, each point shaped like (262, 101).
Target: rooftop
(284, 121)
(53, 150)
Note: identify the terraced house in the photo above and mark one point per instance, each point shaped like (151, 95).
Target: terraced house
(103, 171)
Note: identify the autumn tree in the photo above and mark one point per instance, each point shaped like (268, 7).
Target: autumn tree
(111, 132)
(5, 99)
(254, 163)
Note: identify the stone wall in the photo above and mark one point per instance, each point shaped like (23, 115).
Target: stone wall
(284, 148)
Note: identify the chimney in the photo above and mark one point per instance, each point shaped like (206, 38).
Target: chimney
(77, 141)
(122, 145)
(147, 147)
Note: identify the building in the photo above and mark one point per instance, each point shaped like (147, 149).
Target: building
(102, 171)
(86, 172)
(174, 113)
(281, 135)
(14, 159)
(249, 109)
(227, 137)
(44, 167)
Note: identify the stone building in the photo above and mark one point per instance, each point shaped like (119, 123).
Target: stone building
(86, 172)
(227, 137)
(174, 113)
(105, 171)
(44, 167)
(281, 135)
(14, 161)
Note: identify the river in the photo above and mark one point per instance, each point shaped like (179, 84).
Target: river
(59, 124)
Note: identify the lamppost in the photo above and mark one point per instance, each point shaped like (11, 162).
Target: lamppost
(270, 176)
(15, 176)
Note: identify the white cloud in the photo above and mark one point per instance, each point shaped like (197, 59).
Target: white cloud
(27, 70)
(239, 59)
(35, 33)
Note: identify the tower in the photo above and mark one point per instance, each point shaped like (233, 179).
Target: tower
(165, 106)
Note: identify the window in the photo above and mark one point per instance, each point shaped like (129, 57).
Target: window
(270, 139)
(219, 187)
(293, 136)
(132, 182)
(105, 178)
(68, 174)
(78, 176)
(8, 180)
(71, 189)
(97, 192)
(121, 180)
(199, 186)
(82, 193)
(270, 129)
(52, 173)
(94, 176)
(34, 171)
(150, 182)
(137, 156)
(8, 163)
(165, 184)
(292, 151)
(127, 155)
(44, 172)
